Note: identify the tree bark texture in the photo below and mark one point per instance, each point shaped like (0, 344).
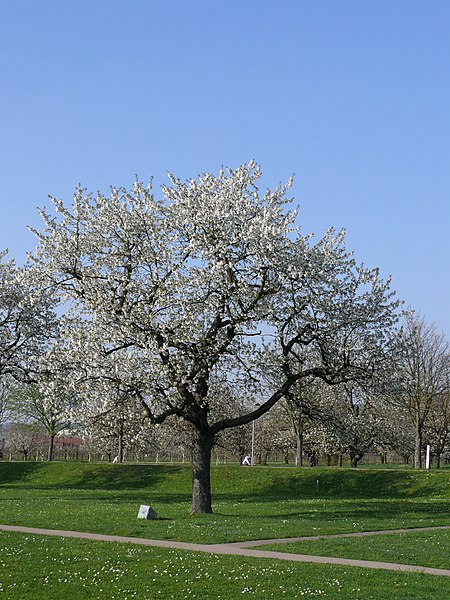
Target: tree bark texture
(355, 457)
(120, 451)
(51, 447)
(201, 479)
(299, 450)
(418, 448)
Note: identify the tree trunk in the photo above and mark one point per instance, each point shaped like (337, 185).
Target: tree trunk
(313, 459)
(120, 450)
(51, 447)
(201, 467)
(438, 460)
(355, 457)
(418, 448)
(299, 452)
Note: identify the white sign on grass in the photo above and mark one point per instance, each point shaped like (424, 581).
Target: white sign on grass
(146, 512)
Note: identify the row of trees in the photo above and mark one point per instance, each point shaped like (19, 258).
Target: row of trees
(314, 421)
(207, 307)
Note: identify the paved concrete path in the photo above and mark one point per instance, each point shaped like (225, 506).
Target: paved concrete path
(242, 548)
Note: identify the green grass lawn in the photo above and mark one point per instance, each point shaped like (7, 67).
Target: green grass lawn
(249, 503)
(427, 548)
(48, 568)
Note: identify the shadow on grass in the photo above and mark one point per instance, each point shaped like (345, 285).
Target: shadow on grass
(348, 484)
(172, 483)
(93, 476)
(12, 472)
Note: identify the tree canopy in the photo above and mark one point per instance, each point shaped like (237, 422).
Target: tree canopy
(210, 285)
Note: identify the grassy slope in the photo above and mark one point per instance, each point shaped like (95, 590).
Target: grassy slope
(255, 503)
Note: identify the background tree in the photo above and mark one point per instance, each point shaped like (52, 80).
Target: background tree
(5, 408)
(172, 440)
(236, 441)
(424, 375)
(228, 401)
(23, 438)
(322, 440)
(438, 423)
(47, 397)
(113, 419)
(274, 437)
(395, 433)
(353, 420)
(187, 284)
(302, 404)
(284, 442)
(27, 319)
(109, 388)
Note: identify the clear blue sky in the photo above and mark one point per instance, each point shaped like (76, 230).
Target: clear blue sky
(350, 96)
